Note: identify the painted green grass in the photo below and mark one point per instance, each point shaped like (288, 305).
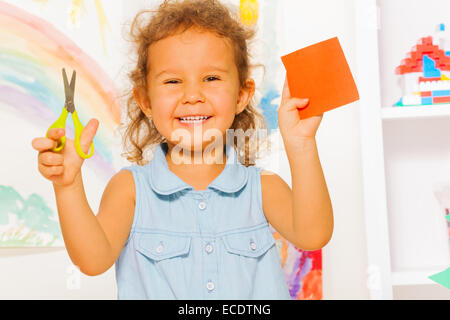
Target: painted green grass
(32, 213)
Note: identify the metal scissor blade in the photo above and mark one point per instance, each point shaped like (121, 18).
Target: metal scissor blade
(66, 84)
(69, 91)
(72, 82)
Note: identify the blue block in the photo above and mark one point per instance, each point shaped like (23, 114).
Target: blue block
(429, 68)
(440, 93)
(441, 27)
(427, 100)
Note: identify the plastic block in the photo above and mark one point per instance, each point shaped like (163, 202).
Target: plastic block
(423, 79)
(441, 99)
(411, 100)
(427, 100)
(441, 93)
(429, 68)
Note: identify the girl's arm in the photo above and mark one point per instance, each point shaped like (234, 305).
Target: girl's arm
(303, 215)
(311, 204)
(94, 242)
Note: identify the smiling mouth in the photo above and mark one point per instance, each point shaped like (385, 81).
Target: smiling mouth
(193, 119)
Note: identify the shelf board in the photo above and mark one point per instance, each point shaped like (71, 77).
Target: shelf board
(414, 112)
(403, 278)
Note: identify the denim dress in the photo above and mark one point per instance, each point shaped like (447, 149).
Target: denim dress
(207, 244)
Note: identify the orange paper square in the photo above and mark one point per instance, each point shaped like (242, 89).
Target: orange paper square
(320, 73)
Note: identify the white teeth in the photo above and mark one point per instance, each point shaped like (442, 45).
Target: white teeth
(193, 119)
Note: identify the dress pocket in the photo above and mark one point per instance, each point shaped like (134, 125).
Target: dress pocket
(250, 243)
(160, 246)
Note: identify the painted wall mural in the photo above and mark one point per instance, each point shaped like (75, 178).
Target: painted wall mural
(32, 54)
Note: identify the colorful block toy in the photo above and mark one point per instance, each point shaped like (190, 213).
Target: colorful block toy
(425, 72)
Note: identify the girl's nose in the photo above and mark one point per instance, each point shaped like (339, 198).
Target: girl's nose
(193, 96)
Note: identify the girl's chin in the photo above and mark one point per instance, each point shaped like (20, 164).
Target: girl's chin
(195, 146)
(187, 144)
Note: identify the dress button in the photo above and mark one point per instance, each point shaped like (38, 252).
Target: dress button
(210, 285)
(202, 205)
(252, 245)
(209, 248)
(160, 248)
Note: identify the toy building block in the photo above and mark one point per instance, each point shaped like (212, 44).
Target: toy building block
(429, 69)
(429, 58)
(441, 99)
(441, 93)
(427, 100)
(422, 79)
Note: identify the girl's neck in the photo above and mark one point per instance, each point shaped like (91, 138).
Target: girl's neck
(198, 168)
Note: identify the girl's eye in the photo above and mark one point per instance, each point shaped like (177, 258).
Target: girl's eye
(211, 78)
(171, 81)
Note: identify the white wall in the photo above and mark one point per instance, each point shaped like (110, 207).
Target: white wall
(46, 273)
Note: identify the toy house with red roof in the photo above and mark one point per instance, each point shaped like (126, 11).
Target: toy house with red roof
(426, 72)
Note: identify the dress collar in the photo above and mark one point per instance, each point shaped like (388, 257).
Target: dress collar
(233, 177)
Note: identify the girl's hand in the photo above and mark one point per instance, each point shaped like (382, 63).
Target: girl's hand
(63, 166)
(293, 128)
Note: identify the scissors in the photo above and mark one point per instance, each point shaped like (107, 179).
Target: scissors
(61, 122)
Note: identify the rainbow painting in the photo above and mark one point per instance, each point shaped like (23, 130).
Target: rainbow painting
(302, 269)
(32, 55)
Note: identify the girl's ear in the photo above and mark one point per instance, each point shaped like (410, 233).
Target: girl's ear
(141, 97)
(245, 94)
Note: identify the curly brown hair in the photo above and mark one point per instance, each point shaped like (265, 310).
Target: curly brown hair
(173, 17)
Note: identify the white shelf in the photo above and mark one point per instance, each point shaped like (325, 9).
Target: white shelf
(404, 151)
(404, 278)
(414, 112)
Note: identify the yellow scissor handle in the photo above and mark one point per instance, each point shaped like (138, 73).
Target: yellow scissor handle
(78, 129)
(60, 123)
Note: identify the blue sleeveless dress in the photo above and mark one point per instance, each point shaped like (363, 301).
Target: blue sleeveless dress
(208, 244)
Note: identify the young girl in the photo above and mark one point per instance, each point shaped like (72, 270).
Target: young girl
(193, 222)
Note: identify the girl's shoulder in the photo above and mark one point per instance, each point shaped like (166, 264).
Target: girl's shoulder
(123, 182)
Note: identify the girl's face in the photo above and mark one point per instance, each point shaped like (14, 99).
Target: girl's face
(193, 85)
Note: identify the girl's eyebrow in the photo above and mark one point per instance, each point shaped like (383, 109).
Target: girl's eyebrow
(216, 68)
(164, 71)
